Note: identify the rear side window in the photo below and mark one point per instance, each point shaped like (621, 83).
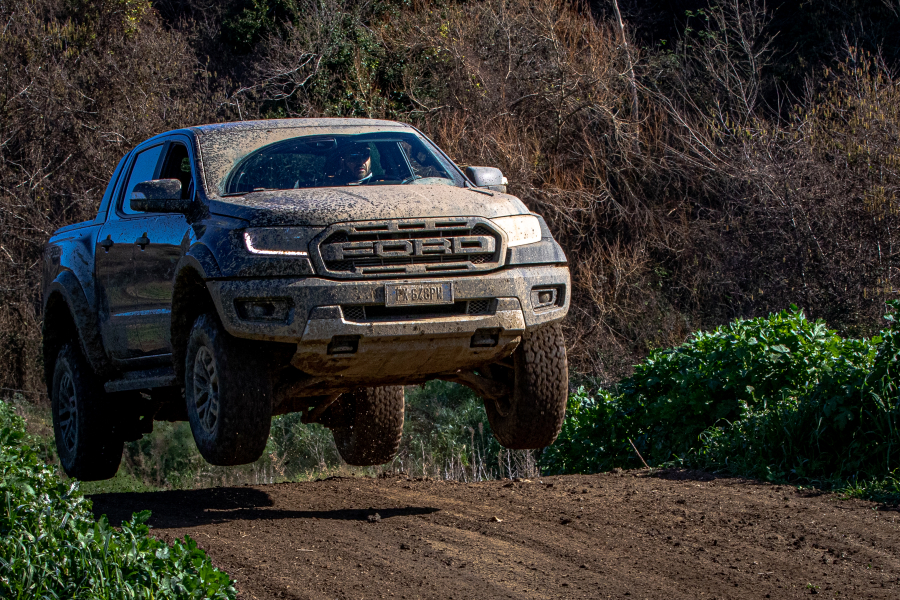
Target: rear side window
(143, 169)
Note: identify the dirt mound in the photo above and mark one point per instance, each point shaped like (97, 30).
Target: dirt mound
(669, 535)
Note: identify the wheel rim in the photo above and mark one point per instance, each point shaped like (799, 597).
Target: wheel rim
(206, 389)
(68, 412)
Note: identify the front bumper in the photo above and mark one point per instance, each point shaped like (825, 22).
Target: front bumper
(333, 341)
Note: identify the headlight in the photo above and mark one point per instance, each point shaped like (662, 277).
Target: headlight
(520, 229)
(280, 241)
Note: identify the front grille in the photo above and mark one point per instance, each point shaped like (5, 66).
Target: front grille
(379, 312)
(408, 247)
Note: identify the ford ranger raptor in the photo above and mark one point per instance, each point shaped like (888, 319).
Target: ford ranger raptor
(243, 270)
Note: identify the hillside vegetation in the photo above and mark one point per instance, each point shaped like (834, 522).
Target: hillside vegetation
(716, 166)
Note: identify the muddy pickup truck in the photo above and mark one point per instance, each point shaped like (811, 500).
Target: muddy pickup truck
(239, 271)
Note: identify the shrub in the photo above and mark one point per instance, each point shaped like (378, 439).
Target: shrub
(737, 370)
(51, 547)
(713, 199)
(778, 398)
(594, 436)
(846, 428)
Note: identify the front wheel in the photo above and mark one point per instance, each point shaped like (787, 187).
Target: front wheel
(228, 393)
(531, 415)
(87, 441)
(369, 425)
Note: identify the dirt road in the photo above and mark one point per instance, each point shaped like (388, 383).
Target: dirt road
(620, 535)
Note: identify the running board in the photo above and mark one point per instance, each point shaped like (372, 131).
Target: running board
(143, 380)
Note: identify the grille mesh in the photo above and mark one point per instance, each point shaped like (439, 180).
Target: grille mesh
(379, 312)
(391, 248)
(355, 313)
(480, 307)
(400, 313)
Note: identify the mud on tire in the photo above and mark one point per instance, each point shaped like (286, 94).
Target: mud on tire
(228, 392)
(532, 415)
(88, 444)
(369, 425)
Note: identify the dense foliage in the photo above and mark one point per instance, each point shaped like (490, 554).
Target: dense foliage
(778, 398)
(51, 547)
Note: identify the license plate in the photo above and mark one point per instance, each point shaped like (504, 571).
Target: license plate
(406, 294)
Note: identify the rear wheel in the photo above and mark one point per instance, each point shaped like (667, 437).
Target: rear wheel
(228, 392)
(88, 444)
(531, 416)
(368, 425)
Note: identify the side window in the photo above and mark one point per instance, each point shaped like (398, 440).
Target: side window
(143, 169)
(178, 166)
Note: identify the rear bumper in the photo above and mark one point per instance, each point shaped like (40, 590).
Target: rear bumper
(333, 340)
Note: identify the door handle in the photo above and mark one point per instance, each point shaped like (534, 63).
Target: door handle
(142, 241)
(107, 243)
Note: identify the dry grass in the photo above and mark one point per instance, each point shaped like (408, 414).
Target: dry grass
(78, 89)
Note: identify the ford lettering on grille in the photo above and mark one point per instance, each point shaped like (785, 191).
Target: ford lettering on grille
(470, 244)
(408, 247)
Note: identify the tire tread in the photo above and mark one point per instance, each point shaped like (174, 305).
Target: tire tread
(99, 446)
(377, 426)
(245, 390)
(540, 392)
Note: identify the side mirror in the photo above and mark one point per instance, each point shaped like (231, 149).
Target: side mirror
(487, 177)
(159, 196)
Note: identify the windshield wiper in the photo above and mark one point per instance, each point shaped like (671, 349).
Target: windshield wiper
(253, 191)
(476, 189)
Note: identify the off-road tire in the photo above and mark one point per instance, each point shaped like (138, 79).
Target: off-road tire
(89, 447)
(532, 415)
(228, 392)
(371, 425)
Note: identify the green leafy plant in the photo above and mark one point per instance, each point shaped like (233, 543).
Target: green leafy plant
(594, 436)
(51, 547)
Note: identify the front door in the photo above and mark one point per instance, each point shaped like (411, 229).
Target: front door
(122, 314)
(166, 237)
(115, 273)
(154, 264)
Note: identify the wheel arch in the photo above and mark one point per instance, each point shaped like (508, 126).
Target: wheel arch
(67, 317)
(190, 299)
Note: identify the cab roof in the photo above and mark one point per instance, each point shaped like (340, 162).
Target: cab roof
(296, 123)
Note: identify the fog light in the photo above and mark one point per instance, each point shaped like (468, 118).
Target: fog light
(545, 298)
(264, 309)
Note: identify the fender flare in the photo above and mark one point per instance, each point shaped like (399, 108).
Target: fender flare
(84, 317)
(201, 259)
(185, 306)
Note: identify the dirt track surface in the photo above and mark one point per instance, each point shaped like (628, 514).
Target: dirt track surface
(627, 535)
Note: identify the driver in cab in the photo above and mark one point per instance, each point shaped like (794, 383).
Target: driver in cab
(355, 165)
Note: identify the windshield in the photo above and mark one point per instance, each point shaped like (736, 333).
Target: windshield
(377, 158)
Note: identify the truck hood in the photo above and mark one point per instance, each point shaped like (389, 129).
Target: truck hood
(324, 206)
